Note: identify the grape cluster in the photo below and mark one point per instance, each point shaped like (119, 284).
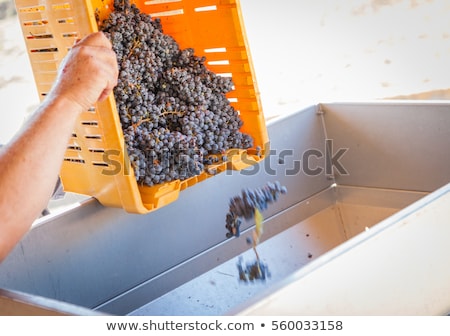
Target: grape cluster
(248, 206)
(244, 206)
(173, 111)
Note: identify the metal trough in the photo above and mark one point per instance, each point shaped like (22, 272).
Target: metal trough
(362, 230)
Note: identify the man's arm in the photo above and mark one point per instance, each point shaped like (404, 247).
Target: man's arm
(30, 163)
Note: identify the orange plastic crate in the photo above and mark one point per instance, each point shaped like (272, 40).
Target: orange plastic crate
(96, 162)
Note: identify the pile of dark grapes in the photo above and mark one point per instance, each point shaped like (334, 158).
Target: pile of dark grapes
(244, 206)
(173, 111)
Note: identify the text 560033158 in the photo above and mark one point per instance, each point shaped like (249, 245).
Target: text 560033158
(306, 325)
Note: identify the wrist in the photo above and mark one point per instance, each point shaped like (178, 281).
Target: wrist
(64, 104)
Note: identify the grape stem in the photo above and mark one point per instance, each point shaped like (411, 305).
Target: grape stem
(136, 125)
(178, 113)
(256, 252)
(136, 44)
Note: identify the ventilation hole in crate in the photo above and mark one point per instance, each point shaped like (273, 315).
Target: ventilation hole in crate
(74, 147)
(46, 62)
(93, 137)
(39, 36)
(70, 35)
(74, 160)
(61, 6)
(74, 135)
(43, 94)
(44, 50)
(35, 23)
(225, 74)
(46, 72)
(206, 8)
(222, 62)
(156, 2)
(100, 164)
(96, 150)
(32, 9)
(68, 20)
(215, 50)
(89, 123)
(169, 13)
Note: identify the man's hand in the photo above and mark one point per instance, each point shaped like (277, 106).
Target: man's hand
(88, 73)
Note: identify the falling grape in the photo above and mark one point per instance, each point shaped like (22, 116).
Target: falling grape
(244, 206)
(249, 205)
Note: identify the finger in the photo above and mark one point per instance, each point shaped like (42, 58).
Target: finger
(101, 57)
(104, 95)
(103, 48)
(97, 39)
(108, 89)
(110, 84)
(109, 57)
